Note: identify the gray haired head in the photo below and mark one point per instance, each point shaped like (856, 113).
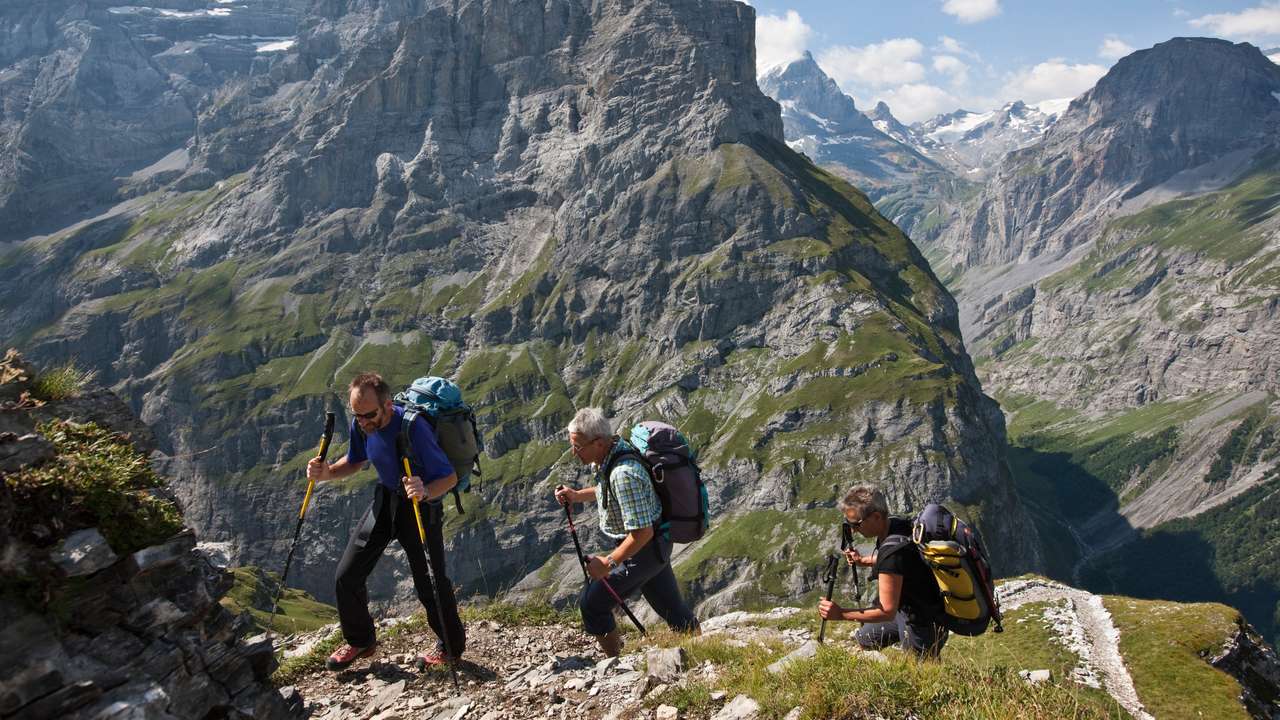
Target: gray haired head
(591, 424)
(865, 499)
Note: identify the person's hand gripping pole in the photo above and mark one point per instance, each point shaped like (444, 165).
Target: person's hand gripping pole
(402, 448)
(408, 472)
(582, 560)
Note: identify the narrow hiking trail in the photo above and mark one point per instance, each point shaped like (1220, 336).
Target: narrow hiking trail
(508, 672)
(1085, 627)
(556, 672)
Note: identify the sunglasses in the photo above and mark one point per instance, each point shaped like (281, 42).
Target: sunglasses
(854, 525)
(367, 416)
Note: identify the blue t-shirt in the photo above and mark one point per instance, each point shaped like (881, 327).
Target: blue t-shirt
(427, 459)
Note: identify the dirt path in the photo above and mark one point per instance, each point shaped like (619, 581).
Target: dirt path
(1088, 631)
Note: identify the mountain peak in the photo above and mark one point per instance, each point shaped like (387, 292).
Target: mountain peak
(1190, 73)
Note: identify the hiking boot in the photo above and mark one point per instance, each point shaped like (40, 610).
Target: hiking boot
(610, 644)
(345, 655)
(435, 657)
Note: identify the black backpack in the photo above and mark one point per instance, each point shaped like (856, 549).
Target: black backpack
(954, 551)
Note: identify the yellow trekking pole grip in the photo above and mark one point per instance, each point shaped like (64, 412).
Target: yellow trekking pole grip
(417, 514)
(321, 453)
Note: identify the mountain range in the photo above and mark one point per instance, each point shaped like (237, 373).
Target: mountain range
(525, 197)
(1116, 274)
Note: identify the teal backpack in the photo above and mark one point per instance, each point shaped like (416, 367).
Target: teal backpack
(453, 421)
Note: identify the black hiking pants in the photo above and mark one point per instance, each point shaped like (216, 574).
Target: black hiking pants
(648, 572)
(390, 516)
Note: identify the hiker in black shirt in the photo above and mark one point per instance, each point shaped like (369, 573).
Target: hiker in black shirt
(908, 601)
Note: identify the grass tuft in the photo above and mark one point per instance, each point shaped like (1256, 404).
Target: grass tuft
(61, 382)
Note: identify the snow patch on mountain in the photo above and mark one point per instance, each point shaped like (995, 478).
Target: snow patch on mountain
(181, 14)
(958, 125)
(276, 46)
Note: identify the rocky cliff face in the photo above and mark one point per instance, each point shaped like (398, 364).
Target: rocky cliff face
(559, 204)
(1158, 112)
(876, 153)
(99, 99)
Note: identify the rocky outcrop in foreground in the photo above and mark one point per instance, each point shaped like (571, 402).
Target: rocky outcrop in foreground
(140, 636)
(98, 628)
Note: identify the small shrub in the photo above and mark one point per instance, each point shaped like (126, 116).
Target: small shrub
(98, 479)
(62, 382)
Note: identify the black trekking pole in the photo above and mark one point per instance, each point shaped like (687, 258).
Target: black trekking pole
(829, 577)
(403, 450)
(833, 570)
(582, 560)
(846, 542)
(297, 531)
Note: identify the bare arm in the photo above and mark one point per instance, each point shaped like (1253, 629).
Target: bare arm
(434, 489)
(890, 587)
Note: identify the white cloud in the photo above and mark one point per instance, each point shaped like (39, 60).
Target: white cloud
(1113, 48)
(1251, 23)
(1052, 79)
(916, 101)
(1274, 57)
(780, 39)
(952, 67)
(892, 62)
(971, 11)
(952, 46)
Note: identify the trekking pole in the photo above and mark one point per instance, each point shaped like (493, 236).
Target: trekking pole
(833, 570)
(297, 531)
(582, 560)
(847, 542)
(829, 577)
(403, 450)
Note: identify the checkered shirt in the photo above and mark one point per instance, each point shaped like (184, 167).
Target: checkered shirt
(633, 504)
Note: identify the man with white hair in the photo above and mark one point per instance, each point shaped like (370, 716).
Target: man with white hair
(630, 514)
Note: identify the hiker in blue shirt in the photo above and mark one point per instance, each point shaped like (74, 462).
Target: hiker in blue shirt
(375, 425)
(641, 557)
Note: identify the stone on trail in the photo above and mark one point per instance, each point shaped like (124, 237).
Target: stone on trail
(665, 664)
(740, 708)
(666, 712)
(804, 652)
(605, 666)
(1035, 677)
(454, 708)
(385, 697)
(794, 713)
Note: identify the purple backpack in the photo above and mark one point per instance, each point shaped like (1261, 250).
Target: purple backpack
(672, 464)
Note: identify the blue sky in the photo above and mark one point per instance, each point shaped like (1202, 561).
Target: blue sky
(929, 56)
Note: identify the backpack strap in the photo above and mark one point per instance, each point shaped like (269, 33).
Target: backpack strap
(892, 544)
(661, 526)
(412, 413)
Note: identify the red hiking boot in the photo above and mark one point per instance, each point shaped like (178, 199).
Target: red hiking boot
(345, 655)
(433, 658)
